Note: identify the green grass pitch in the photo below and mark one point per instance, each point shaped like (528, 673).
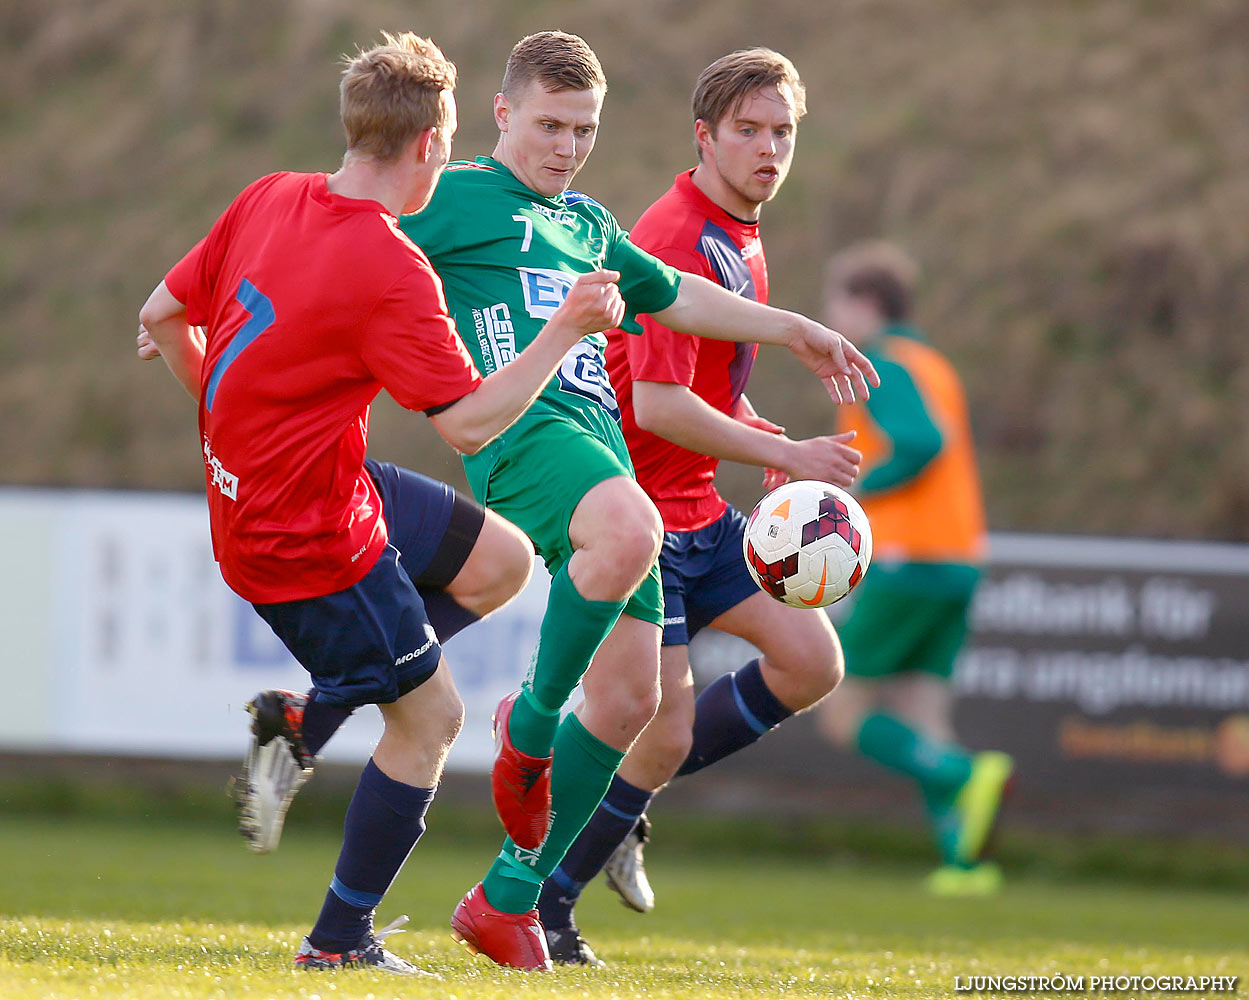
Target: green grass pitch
(161, 909)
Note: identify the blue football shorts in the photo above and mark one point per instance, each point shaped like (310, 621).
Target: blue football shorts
(372, 643)
(704, 575)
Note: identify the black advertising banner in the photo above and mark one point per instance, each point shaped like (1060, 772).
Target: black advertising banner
(1114, 671)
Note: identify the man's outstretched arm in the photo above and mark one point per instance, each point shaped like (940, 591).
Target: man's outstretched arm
(704, 308)
(679, 415)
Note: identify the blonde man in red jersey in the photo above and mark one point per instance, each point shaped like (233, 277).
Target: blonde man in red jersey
(921, 491)
(311, 300)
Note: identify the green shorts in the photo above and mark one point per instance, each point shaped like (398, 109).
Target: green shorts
(891, 630)
(536, 473)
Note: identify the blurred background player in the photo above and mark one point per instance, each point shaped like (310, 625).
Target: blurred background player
(507, 238)
(921, 491)
(683, 409)
(312, 301)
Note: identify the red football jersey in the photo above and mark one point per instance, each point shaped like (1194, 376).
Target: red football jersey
(313, 303)
(688, 230)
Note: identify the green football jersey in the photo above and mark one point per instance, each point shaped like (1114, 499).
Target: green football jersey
(507, 257)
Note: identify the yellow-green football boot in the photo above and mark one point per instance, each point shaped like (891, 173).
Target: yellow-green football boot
(979, 802)
(984, 879)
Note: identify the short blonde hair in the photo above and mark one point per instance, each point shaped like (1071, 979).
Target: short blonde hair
(557, 60)
(392, 92)
(728, 81)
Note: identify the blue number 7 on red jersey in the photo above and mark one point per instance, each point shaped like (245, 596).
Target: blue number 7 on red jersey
(261, 318)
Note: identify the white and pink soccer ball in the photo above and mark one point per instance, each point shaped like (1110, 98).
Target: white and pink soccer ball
(808, 544)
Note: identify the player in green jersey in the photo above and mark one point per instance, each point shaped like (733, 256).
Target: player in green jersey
(508, 239)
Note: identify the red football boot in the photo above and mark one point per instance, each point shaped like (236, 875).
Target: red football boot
(521, 784)
(512, 939)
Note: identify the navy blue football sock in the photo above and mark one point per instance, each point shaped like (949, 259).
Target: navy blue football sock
(384, 821)
(445, 613)
(608, 826)
(338, 917)
(732, 712)
(321, 721)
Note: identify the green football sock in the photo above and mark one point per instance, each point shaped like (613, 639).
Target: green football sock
(940, 768)
(582, 769)
(945, 824)
(571, 633)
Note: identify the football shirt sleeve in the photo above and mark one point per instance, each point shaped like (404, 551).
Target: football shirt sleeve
(193, 279)
(188, 281)
(411, 346)
(647, 284)
(662, 354)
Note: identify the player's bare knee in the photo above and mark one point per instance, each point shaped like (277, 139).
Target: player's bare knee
(503, 557)
(654, 531)
(670, 740)
(636, 538)
(647, 706)
(801, 675)
(446, 717)
(635, 704)
(826, 673)
(617, 533)
(515, 566)
(617, 714)
(621, 558)
(821, 677)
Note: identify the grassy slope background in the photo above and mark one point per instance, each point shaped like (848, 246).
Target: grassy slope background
(1069, 174)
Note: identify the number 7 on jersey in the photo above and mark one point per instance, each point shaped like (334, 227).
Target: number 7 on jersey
(527, 222)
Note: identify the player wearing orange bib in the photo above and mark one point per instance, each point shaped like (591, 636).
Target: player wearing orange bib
(921, 491)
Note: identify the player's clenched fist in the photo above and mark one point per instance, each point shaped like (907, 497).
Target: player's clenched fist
(145, 346)
(593, 303)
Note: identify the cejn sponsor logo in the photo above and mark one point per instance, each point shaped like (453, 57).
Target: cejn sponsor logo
(496, 335)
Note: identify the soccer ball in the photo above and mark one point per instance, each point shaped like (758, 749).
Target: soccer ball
(807, 544)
